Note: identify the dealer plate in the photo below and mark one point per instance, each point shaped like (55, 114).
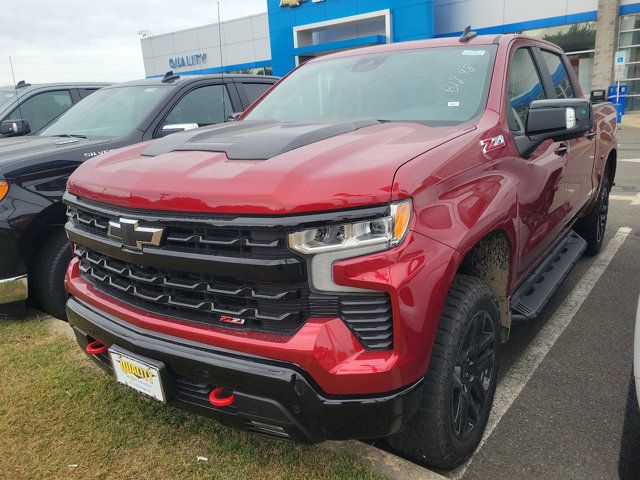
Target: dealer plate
(137, 374)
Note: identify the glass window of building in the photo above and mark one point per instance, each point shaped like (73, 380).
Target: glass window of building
(629, 41)
(559, 75)
(579, 42)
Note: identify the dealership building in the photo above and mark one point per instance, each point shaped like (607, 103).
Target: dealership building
(293, 31)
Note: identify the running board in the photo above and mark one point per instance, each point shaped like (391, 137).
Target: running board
(533, 294)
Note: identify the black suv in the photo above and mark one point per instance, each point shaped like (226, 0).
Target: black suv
(28, 108)
(34, 168)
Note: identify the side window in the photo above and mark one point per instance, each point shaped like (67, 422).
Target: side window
(559, 75)
(42, 108)
(204, 106)
(525, 86)
(255, 90)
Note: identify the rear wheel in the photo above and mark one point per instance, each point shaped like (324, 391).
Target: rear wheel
(48, 274)
(461, 380)
(592, 227)
(629, 465)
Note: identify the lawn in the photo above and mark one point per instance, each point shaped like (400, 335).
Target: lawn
(62, 417)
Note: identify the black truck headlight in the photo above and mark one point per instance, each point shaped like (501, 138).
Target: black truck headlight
(324, 245)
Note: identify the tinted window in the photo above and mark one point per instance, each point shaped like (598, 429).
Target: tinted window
(524, 85)
(254, 90)
(435, 86)
(204, 106)
(41, 109)
(110, 112)
(559, 75)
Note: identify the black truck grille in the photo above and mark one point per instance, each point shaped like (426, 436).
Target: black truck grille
(234, 277)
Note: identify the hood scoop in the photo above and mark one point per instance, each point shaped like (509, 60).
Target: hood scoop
(254, 139)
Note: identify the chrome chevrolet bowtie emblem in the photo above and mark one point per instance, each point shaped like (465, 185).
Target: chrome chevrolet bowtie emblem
(290, 3)
(134, 236)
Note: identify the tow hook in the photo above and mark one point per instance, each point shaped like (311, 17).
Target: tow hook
(217, 401)
(96, 348)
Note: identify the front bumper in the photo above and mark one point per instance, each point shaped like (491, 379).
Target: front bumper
(14, 289)
(271, 397)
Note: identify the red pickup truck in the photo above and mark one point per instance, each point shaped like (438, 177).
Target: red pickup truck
(345, 260)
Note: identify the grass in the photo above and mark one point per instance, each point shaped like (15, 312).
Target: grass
(59, 410)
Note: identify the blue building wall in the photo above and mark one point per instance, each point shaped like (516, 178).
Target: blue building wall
(411, 20)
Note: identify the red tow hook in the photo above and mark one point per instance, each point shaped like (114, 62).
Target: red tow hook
(217, 401)
(96, 348)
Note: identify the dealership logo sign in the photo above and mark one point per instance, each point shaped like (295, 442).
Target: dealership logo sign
(188, 60)
(290, 3)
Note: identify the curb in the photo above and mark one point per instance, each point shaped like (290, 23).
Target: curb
(383, 463)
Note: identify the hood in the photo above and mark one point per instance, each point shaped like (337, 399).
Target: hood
(261, 167)
(18, 153)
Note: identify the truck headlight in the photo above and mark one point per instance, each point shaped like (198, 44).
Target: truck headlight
(324, 245)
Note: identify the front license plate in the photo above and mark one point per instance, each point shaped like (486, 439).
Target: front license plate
(137, 374)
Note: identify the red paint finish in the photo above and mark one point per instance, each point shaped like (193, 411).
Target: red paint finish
(460, 195)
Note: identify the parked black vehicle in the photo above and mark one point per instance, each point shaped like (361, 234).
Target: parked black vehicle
(26, 108)
(34, 168)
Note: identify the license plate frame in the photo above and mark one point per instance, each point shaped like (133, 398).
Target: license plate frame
(141, 374)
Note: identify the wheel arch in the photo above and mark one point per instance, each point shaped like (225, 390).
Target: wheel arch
(48, 220)
(491, 260)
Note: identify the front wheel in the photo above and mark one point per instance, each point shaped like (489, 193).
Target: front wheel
(48, 274)
(460, 383)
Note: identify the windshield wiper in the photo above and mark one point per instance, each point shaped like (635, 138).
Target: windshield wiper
(70, 135)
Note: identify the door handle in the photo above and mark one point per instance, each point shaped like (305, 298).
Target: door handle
(590, 135)
(562, 149)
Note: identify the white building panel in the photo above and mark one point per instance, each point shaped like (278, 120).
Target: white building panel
(237, 31)
(163, 44)
(260, 24)
(581, 6)
(262, 48)
(522, 11)
(477, 13)
(185, 41)
(208, 36)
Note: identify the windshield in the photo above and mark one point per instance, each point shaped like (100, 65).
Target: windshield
(109, 112)
(7, 95)
(439, 86)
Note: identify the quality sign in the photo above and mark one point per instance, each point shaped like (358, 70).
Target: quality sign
(188, 60)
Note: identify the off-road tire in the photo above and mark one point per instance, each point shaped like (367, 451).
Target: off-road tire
(48, 274)
(629, 464)
(593, 226)
(430, 437)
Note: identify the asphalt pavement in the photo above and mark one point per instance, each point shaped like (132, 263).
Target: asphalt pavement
(564, 377)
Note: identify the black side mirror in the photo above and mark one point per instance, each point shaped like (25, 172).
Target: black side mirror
(598, 96)
(558, 120)
(14, 128)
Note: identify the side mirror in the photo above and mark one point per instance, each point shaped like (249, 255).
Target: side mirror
(177, 127)
(234, 117)
(598, 96)
(14, 128)
(558, 120)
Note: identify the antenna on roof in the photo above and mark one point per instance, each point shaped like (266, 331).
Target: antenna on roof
(170, 77)
(224, 107)
(17, 85)
(21, 84)
(467, 35)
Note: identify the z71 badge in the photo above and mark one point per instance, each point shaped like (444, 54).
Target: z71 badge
(491, 144)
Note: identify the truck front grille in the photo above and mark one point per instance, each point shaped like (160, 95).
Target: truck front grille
(229, 272)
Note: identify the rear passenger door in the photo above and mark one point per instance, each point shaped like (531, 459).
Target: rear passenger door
(580, 157)
(543, 200)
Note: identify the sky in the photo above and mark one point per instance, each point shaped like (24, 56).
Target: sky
(73, 40)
